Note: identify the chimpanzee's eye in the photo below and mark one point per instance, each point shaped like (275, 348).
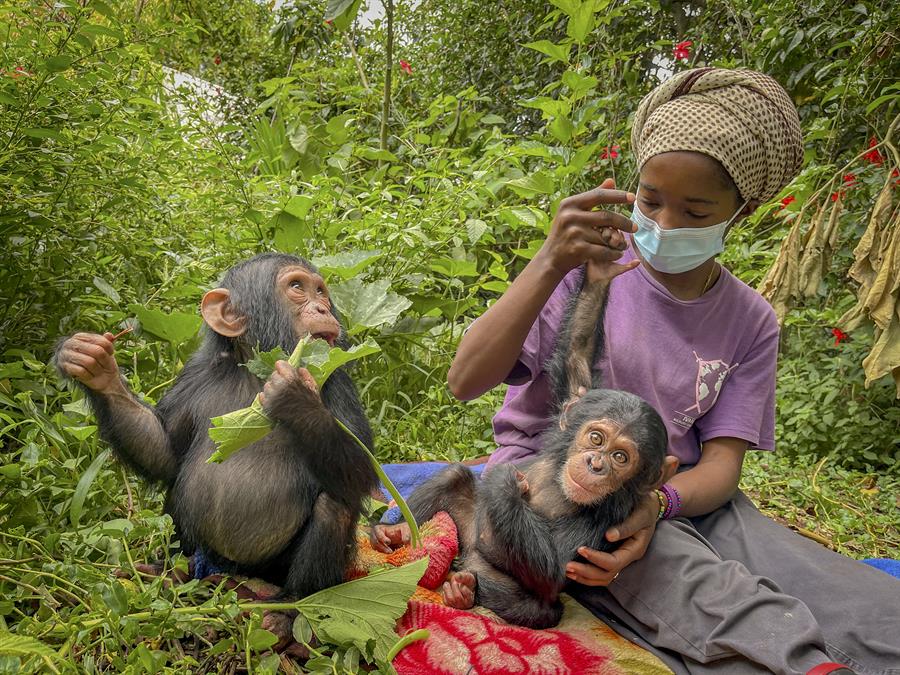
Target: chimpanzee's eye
(620, 457)
(320, 290)
(297, 284)
(596, 438)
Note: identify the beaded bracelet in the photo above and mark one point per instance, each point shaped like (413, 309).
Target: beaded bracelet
(663, 503)
(673, 499)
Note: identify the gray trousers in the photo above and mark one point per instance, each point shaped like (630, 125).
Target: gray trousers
(734, 592)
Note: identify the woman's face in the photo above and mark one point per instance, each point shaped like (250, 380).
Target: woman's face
(686, 189)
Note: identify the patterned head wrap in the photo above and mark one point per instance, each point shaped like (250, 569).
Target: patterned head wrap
(742, 118)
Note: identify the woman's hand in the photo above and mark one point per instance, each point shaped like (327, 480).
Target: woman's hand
(635, 534)
(580, 234)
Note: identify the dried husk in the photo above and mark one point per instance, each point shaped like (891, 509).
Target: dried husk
(780, 285)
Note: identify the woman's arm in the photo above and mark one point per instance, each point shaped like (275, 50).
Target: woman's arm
(489, 349)
(703, 488)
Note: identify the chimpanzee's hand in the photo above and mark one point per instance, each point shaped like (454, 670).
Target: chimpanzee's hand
(386, 538)
(580, 234)
(88, 358)
(635, 534)
(288, 384)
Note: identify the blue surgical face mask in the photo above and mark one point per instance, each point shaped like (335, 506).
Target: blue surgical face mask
(681, 249)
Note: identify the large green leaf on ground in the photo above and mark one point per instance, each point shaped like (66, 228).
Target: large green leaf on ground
(364, 612)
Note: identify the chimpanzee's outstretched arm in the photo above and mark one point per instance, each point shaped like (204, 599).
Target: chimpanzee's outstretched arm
(580, 341)
(331, 455)
(513, 537)
(135, 430)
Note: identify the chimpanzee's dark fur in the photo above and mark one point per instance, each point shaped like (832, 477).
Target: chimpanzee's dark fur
(284, 509)
(516, 546)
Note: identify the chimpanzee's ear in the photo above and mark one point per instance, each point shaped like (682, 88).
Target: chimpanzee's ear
(669, 468)
(219, 314)
(563, 414)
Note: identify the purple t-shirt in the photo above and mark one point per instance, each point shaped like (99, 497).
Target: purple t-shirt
(706, 365)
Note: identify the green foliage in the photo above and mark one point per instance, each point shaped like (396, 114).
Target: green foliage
(128, 192)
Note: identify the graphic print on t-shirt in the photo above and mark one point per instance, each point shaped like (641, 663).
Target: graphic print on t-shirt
(711, 376)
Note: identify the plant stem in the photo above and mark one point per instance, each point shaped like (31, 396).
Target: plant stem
(415, 540)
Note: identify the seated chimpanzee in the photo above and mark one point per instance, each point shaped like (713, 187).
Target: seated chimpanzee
(284, 509)
(521, 524)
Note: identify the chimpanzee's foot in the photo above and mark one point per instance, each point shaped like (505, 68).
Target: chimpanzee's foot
(386, 538)
(459, 591)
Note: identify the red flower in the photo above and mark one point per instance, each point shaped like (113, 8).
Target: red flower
(873, 156)
(608, 152)
(839, 336)
(681, 50)
(217, 60)
(850, 179)
(405, 67)
(790, 199)
(329, 21)
(17, 73)
(896, 174)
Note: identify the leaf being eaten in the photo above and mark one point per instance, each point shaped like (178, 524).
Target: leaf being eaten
(238, 429)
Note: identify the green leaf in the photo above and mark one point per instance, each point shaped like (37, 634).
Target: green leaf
(176, 327)
(364, 609)
(58, 63)
(375, 154)
(302, 631)
(568, 6)
(321, 360)
(298, 206)
(450, 267)
(581, 22)
(554, 51)
(238, 429)
(879, 101)
(475, 229)
(84, 484)
(263, 363)
(107, 290)
(342, 12)
(537, 183)
(551, 107)
(367, 305)
(82, 433)
(291, 232)
(578, 83)
(102, 8)
(562, 129)
(516, 216)
(20, 645)
(259, 639)
(348, 264)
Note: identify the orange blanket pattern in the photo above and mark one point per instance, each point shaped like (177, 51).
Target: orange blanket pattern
(479, 642)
